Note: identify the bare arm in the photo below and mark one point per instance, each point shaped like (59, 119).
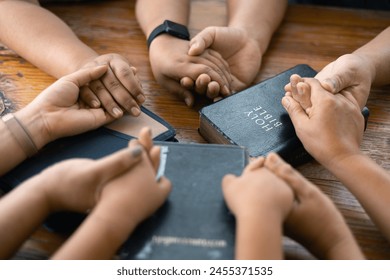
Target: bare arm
(124, 202)
(259, 18)
(39, 36)
(169, 57)
(370, 183)
(357, 72)
(377, 51)
(260, 201)
(152, 13)
(251, 25)
(21, 212)
(46, 41)
(331, 131)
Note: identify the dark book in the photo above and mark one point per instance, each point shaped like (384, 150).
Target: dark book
(194, 223)
(93, 144)
(255, 118)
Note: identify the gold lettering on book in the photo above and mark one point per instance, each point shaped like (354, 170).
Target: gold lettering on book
(262, 118)
(198, 242)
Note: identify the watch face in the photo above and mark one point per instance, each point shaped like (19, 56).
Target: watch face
(176, 30)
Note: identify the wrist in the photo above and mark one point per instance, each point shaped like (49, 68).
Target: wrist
(118, 223)
(260, 38)
(33, 122)
(369, 64)
(342, 161)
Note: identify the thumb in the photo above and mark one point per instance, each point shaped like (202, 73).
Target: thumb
(202, 41)
(86, 75)
(165, 186)
(294, 109)
(335, 82)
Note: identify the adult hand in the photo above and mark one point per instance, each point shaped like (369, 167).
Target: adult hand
(240, 51)
(349, 73)
(58, 111)
(332, 128)
(118, 88)
(170, 63)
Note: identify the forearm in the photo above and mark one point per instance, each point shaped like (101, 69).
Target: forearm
(99, 236)
(370, 184)
(21, 212)
(10, 148)
(259, 236)
(377, 52)
(259, 18)
(151, 13)
(41, 38)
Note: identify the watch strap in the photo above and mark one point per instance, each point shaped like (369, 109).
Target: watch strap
(169, 27)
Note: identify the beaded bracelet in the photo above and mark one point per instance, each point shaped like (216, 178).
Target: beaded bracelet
(21, 134)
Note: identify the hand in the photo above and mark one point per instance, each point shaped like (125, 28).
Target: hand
(260, 201)
(136, 194)
(82, 180)
(241, 52)
(170, 63)
(333, 127)
(349, 73)
(58, 111)
(314, 220)
(255, 191)
(118, 88)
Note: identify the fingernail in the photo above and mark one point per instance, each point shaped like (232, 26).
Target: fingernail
(226, 90)
(136, 151)
(285, 102)
(273, 159)
(95, 104)
(141, 98)
(117, 112)
(135, 111)
(188, 101)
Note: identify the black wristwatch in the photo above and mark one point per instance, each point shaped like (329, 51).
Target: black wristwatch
(172, 28)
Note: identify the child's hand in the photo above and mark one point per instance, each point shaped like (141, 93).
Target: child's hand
(257, 190)
(76, 184)
(314, 220)
(260, 201)
(135, 195)
(118, 88)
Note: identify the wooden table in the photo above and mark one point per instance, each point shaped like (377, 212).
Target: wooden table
(309, 34)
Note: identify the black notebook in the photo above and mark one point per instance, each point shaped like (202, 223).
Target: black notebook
(194, 223)
(255, 118)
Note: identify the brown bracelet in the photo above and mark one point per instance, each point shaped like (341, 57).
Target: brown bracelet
(21, 134)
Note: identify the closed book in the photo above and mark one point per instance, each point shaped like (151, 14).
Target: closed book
(92, 144)
(255, 118)
(194, 223)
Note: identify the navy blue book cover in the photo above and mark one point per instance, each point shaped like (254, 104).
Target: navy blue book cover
(255, 118)
(195, 222)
